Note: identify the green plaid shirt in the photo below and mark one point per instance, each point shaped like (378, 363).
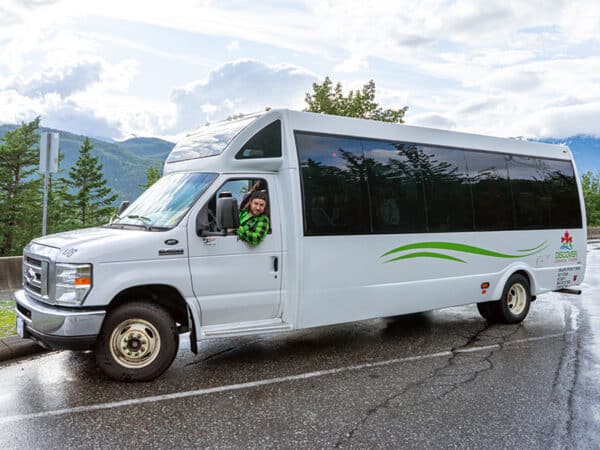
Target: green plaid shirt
(252, 229)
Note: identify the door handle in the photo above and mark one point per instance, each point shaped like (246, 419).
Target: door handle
(209, 240)
(275, 263)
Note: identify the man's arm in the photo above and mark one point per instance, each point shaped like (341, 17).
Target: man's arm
(254, 237)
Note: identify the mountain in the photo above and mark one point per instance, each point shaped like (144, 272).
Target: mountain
(148, 147)
(586, 151)
(125, 163)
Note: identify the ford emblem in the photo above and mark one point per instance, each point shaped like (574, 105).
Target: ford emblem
(30, 275)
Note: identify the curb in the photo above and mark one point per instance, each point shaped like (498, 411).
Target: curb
(13, 347)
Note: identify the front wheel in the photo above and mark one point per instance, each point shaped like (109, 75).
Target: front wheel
(514, 304)
(138, 342)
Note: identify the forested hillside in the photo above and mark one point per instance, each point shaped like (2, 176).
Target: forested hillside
(125, 163)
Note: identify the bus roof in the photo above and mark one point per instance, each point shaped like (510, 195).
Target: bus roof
(214, 139)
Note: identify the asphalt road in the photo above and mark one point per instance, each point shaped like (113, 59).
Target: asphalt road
(438, 379)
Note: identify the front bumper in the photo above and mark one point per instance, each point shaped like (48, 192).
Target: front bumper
(57, 327)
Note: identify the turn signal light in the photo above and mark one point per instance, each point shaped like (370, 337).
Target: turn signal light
(485, 285)
(83, 281)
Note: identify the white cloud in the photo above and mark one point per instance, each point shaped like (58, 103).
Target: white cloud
(566, 100)
(239, 86)
(56, 113)
(9, 17)
(560, 122)
(478, 105)
(432, 120)
(78, 97)
(353, 64)
(81, 120)
(233, 46)
(493, 67)
(515, 80)
(60, 80)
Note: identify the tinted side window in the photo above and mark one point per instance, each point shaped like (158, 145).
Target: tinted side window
(447, 189)
(335, 190)
(530, 197)
(565, 210)
(395, 188)
(492, 200)
(264, 144)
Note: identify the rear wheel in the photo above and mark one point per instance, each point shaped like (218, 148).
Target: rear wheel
(514, 304)
(138, 342)
(487, 312)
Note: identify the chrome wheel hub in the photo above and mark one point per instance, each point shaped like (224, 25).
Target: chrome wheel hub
(135, 343)
(516, 299)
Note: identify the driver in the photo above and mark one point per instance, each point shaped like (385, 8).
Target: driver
(254, 219)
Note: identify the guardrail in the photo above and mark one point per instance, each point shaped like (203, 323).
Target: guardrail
(10, 272)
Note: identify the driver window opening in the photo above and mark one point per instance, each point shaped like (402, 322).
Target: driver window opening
(240, 189)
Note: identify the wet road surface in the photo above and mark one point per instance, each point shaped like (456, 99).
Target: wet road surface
(437, 379)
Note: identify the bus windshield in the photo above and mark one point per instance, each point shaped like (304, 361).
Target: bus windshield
(165, 203)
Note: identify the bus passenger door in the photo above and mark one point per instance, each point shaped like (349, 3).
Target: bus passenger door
(232, 280)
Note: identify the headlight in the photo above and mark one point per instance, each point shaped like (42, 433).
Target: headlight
(73, 282)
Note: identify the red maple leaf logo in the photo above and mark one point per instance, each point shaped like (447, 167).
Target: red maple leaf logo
(566, 239)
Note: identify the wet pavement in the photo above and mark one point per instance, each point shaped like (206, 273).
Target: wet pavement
(437, 379)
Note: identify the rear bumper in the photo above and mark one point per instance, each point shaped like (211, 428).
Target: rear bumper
(57, 327)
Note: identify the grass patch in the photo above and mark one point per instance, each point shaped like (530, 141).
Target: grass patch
(7, 319)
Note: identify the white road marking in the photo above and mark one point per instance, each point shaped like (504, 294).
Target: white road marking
(479, 349)
(266, 382)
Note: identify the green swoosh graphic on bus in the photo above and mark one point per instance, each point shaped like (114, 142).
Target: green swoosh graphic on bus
(462, 248)
(426, 255)
(534, 248)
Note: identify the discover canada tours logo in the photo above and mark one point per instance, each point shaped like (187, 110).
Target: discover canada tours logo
(566, 252)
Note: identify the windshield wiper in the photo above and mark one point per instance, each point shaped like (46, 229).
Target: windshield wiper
(147, 226)
(143, 219)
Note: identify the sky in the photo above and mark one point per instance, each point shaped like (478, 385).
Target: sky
(119, 69)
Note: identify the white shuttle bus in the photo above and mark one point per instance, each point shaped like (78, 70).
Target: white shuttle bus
(368, 219)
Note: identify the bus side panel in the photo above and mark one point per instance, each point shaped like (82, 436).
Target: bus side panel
(348, 278)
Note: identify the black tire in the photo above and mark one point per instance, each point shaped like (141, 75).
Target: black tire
(138, 342)
(487, 311)
(514, 304)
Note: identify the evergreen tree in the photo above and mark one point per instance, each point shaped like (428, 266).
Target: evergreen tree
(152, 176)
(590, 185)
(328, 99)
(20, 200)
(88, 198)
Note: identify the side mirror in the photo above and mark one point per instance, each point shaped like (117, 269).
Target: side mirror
(202, 222)
(122, 207)
(227, 217)
(227, 213)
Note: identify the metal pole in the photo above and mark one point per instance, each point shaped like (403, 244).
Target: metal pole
(46, 175)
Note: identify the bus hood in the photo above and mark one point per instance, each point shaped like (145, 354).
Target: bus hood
(99, 245)
(77, 238)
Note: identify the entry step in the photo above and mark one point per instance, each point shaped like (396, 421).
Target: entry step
(245, 328)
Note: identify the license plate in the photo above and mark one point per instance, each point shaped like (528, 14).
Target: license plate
(20, 327)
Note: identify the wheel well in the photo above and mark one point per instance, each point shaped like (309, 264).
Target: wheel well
(526, 275)
(166, 296)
